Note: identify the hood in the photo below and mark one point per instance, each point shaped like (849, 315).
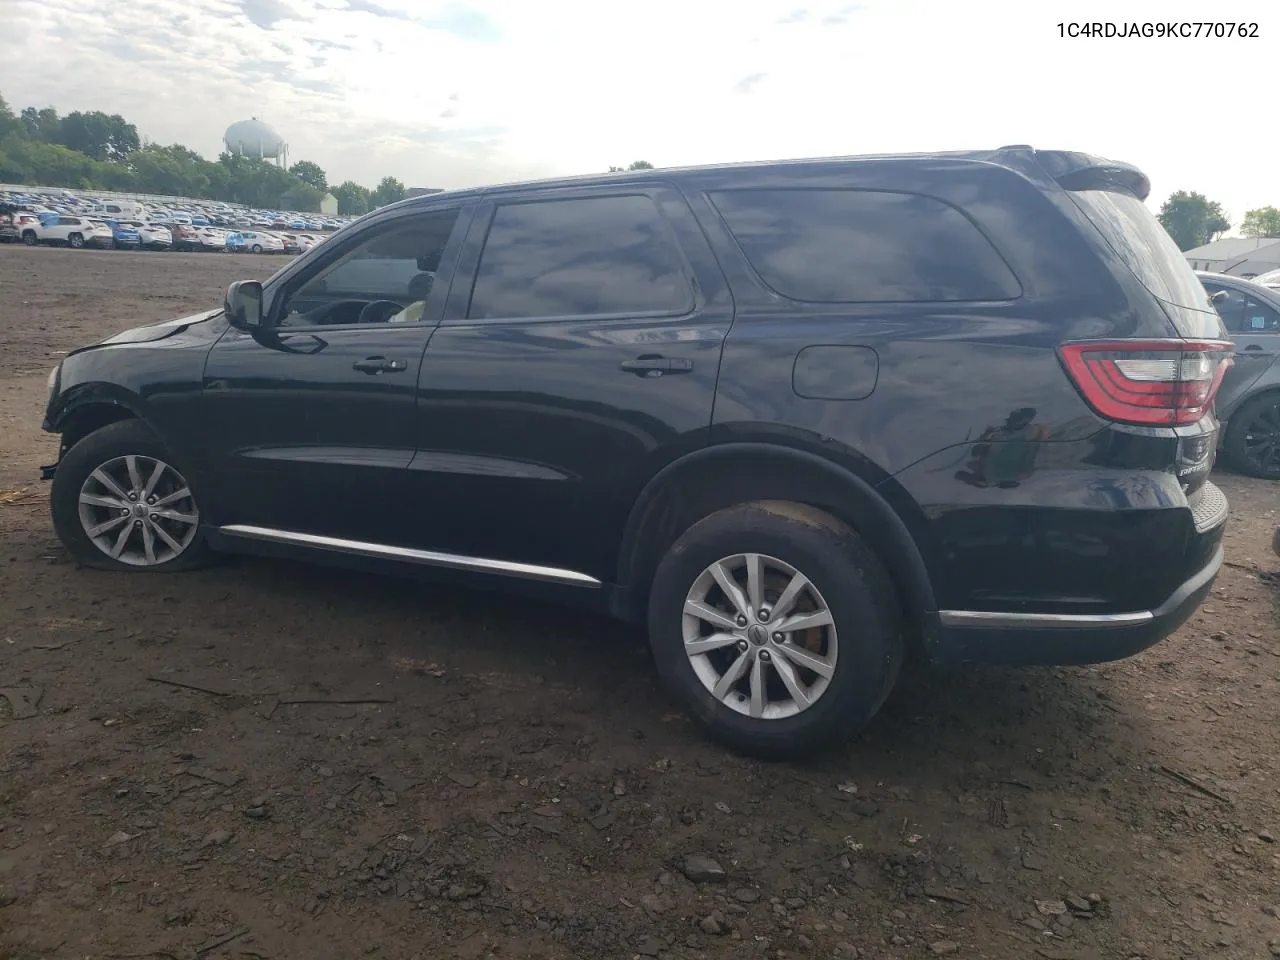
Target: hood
(156, 331)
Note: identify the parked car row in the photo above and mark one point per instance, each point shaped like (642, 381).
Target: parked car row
(80, 231)
(169, 211)
(64, 219)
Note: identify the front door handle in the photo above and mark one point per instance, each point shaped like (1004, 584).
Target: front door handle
(372, 365)
(655, 366)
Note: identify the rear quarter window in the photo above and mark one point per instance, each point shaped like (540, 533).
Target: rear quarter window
(863, 246)
(1150, 253)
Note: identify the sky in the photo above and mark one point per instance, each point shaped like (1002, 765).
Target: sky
(452, 93)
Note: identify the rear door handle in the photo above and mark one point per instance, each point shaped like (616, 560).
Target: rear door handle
(372, 365)
(651, 366)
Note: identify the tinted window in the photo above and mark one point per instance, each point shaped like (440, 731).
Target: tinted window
(1145, 247)
(587, 257)
(860, 246)
(395, 263)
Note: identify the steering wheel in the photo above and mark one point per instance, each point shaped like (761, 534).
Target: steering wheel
(379, 311)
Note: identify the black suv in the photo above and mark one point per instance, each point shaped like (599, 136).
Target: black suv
(803, 418)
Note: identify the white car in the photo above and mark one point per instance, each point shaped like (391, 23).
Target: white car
(305, 241)
(154, 236)
(255, 241)
(213, 238)
(72, 231)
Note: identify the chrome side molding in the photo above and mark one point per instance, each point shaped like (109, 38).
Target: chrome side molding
(430, 558)
(992, 620)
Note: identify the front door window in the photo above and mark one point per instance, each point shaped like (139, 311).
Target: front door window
(386, 278)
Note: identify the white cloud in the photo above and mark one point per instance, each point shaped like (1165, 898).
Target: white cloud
(447, 93)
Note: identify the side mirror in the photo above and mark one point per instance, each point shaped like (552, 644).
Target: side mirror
(1218, 297)
(244, 305)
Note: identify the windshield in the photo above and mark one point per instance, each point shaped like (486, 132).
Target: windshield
(1144, 246)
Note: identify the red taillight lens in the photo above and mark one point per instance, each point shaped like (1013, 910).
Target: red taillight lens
(1148, 382)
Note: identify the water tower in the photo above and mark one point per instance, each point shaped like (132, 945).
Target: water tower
(253, 138)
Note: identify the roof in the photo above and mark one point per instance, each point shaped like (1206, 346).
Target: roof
(1016, 157)
(1269, 294)
(1229, 248)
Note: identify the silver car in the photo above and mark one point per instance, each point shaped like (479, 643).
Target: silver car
(1249, 401)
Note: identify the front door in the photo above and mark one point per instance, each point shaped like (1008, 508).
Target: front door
(578, 355)
(309, 426)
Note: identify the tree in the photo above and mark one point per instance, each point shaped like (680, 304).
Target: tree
(302, 197)
(311, 173)
(9, 122)
(352, 198)
(388, 190)
(635, 165)
(41, 124)
(1192, 219)
(1262, 222)
(98, 135)
(173, 170)
(97, 151)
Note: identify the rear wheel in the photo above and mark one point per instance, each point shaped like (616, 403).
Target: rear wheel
(121, 503)
(1252, 443)
(777, 627)
(75, 241)
(257, 248)
(29, 238)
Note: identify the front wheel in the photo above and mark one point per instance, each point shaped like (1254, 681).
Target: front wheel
(777, 627)
(1252, 441)
(121, 503)
(29, 238)
(257, 248)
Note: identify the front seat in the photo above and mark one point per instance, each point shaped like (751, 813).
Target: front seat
(419, 290)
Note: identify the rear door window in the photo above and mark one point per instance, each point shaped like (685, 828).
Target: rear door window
(1148, 250)
(586, 256)
(863, 246)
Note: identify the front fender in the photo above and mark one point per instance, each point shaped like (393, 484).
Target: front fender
(64, 404)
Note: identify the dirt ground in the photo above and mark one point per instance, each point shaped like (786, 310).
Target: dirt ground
(507, 780)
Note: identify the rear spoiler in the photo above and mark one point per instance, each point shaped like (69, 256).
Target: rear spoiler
(1081, 171)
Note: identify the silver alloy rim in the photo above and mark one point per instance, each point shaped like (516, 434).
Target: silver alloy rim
(138, 510)
(759, 636)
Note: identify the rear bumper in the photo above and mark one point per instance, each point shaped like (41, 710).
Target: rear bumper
(1051, 638)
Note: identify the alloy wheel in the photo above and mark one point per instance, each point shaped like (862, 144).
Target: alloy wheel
(1262, 439)
(138, 510)
(759, 636)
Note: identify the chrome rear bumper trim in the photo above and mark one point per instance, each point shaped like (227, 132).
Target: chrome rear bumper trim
(431, 558)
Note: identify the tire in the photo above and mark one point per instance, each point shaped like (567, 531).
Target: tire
(1244, 445)
(256, 248)
(107, 450)
(29, 238)
(75, 241)
(850, 581)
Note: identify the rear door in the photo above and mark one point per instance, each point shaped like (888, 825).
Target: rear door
(578, 355)
(1253, 320)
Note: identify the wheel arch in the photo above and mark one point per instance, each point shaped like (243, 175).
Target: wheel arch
(1267, 384)
(91, 407)
(716, 477)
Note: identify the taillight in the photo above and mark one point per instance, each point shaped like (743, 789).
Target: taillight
(1148, 382)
